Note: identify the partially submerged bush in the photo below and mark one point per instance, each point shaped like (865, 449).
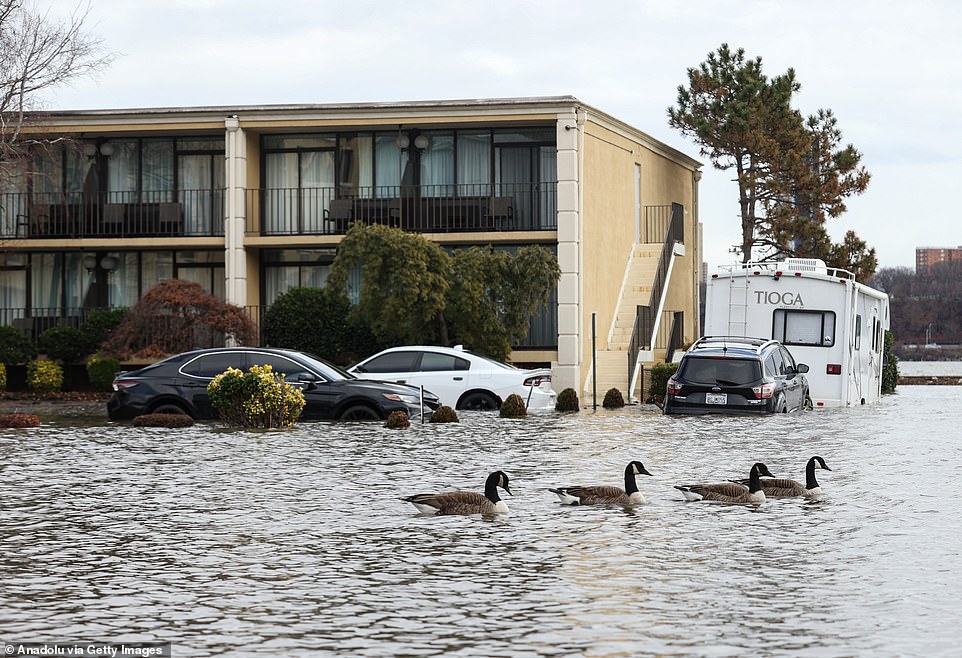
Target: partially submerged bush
(101, 372)
(444, 414)
(44, 376)
(3, 377)
(19, 420)
(397, 420)
(513, 407)
(658, 384)
(259, 398)
(163, 420)
(567, 401)
(613, 399)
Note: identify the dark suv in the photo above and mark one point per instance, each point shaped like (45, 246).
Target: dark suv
(178, 384)
(734, 374)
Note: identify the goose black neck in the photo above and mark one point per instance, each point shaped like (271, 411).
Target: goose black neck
(810, 481)
(754, 481)
(631, 485)
(491, 488)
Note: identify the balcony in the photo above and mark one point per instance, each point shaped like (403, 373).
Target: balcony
(112, 215)
(421, 209)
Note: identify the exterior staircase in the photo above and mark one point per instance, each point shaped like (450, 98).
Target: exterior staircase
(612, 354)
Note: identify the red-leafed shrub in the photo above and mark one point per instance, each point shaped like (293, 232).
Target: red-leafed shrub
(163, 420)
(19, 420)
(175, 316)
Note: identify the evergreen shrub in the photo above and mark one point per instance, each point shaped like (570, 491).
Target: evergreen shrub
(44, 376)
(101, 371)
(890, 367)
(444, 414)
(513, 407)
(259, 398)
(658, 384)
(567, 401)
(15, 348)
(397, 420)
(613, 399)
(64, 344)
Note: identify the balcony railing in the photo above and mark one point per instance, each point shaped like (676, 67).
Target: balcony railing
(423, 208)
(112, 214)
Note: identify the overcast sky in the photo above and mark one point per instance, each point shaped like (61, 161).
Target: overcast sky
(890, 71)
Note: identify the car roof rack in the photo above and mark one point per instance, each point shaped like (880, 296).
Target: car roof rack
(739, 342)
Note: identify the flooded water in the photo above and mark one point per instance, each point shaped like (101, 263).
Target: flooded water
(295, 543)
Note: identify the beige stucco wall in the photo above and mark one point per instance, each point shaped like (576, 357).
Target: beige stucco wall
(610, 226)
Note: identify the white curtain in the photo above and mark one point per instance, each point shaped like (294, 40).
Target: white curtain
(437, 165)
(281, 179)
(474, 163)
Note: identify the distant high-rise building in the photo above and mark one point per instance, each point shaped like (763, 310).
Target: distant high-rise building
(926, 257)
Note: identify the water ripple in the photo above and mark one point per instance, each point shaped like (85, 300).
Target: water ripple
(297, 543)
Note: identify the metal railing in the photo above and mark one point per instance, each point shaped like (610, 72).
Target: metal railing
(112, 214)
(418, 208)
(674, 231)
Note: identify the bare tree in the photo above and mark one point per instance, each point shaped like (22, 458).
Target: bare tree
(37, 53)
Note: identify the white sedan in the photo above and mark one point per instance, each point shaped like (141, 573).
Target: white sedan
(461, 380)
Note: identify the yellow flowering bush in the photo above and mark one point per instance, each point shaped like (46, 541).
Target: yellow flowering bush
(44, 376)
(258, 398)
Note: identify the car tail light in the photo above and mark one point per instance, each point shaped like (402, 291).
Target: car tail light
(673, 388)
(537, 380)
(833, 369)
(123, 384)
(764, 391)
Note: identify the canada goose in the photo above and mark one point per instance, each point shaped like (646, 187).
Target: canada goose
(606, 495)
(784, 487)
(465, 502)
(730, 492)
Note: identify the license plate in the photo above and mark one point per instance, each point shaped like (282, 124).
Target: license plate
(716, 398)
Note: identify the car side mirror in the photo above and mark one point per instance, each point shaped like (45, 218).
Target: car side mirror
(801, 368)
(309, 379)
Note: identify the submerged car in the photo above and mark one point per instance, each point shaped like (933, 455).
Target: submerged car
(178, 384)
(461, 380)
(726, 374)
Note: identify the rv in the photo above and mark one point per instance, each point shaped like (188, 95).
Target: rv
(827, 320)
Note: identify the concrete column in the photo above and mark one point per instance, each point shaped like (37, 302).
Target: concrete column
(566, 373)
(235, 213)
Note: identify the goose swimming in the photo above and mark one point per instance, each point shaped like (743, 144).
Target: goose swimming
(730, 492)
(606, 495)
(465, 502)
(785, 488)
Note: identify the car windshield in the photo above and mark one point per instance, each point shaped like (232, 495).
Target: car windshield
(329, 370)
(719, 370)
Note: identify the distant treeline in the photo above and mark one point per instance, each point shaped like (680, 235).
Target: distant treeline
(926, 308)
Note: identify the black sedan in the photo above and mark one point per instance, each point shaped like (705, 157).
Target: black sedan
(178, 384)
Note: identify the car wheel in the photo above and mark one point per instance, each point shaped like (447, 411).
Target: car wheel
(478, 401)
(169, 408)
(359, 412)
(781, 407)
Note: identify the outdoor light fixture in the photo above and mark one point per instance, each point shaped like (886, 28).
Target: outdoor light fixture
(107, 150)
(403, 141)
(422, 141)
(108, 263)
(89, 262)
(90, 150)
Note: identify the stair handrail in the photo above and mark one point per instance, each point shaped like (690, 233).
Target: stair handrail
(645, 315)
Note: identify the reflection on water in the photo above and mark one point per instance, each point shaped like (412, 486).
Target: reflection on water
(296, 542)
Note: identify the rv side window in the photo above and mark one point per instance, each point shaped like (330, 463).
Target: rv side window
(858, 332)
(793, 327)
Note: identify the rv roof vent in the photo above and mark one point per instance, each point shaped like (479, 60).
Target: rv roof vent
(805, 265)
